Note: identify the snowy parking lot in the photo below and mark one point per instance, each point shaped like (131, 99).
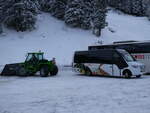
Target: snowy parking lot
(69, 92)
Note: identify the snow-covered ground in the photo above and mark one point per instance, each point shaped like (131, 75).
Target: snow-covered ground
(71, 93)
(57, 40)
(68, 92)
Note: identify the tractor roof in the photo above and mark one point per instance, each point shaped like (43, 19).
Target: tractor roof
(36, 53)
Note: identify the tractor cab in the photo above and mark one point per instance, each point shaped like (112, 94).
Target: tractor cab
(34, 57)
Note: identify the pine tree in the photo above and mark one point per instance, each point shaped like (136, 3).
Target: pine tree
(44, 5)
(146, 7)
(58, 8)
(55, 7)
(1, 10)
(126, 6)
(32, 5)
(1, 18)
(86, 14)
(87, 7)
(148, 12)
(74, 14)
(115, 3)
(99, 16)
(137, 7)
(20, 14)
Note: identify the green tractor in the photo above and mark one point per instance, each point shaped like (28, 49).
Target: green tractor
(34, 63)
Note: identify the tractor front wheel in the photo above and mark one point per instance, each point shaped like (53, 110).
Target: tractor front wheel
(54, 71)
(44, 71)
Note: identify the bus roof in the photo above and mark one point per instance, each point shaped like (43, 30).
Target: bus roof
(125, 42)
(132, 47)
(94, 55)
(105, 56)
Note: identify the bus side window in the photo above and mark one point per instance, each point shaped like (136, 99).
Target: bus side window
(116, 57)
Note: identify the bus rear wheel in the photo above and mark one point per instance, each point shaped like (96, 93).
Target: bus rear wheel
(88, 71)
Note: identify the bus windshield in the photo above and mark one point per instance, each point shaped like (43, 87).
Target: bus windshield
(127, 56)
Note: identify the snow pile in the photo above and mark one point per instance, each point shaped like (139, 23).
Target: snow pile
(54, 38)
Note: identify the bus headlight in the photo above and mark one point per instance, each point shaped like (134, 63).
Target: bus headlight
(143, 68)
(135, 66)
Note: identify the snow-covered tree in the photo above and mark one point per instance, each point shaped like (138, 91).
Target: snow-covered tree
(1, 18)
(99, 16)
(44, 5)
(148, 12)
(115, 3)
(74, 14)
(1, 9)
(146, 7)
(126, 6)
(20, 14)
(19, 18)
(32, 5)
(137, 7)
(86, 14)
(55, 7)
(58, 8)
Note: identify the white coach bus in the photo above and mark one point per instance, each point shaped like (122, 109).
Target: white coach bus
(107, 62)
(140, 50)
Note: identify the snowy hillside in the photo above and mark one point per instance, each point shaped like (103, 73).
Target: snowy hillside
(57, 40)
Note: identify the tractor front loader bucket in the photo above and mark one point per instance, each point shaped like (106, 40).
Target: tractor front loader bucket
(10, 69)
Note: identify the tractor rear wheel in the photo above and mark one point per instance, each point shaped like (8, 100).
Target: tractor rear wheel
(54, 71)
(44, 71)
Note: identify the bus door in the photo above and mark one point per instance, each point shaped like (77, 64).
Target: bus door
(116, 63)
(116, 71)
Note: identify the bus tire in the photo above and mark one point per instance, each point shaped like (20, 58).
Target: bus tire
(127, 74)
(138, 76)
(88, 71)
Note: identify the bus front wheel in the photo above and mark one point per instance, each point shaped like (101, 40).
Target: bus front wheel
(138, 76)
(127, 74)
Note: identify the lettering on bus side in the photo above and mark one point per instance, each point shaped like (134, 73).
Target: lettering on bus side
(142, 56)
(147, 56)
(139, 56)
